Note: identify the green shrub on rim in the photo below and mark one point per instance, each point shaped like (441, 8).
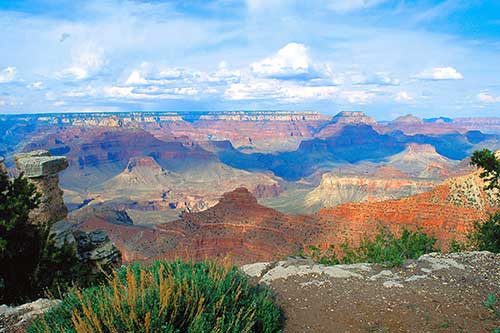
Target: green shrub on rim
(167, 297)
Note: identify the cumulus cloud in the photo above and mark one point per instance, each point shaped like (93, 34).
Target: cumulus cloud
(8, 74)
(440, 73)
(485, 97)
(344, 6)
(292, 62)
(378, 78)
(86, 61)
(403, 96)
(278, 90)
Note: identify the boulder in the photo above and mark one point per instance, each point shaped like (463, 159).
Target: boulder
(94, 248)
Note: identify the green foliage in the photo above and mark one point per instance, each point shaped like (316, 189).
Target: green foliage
(19, 241)
(487, 160)
(17, 199)
(328, 257)
(457, 246)
(491, 303)
(167, 297)
(486, 235)
(30, 263)
(385, 248)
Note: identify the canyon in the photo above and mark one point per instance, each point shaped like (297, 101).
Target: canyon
(240, 228)
(257, 185)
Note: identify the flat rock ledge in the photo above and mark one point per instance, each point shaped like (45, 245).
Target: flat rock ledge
(435, 293)
(411, 271)
(16, 318)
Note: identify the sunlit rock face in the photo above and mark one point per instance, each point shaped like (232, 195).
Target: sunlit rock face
(42, 171)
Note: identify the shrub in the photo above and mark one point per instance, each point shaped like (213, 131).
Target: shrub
(485, 236)
(457, 246)
(385, 249)
(166, 297)
(30, 263)
(491, 303)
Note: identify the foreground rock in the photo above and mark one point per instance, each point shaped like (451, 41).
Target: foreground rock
(437, 292)
(16, 319)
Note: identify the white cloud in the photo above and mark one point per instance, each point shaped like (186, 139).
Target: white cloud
(440, 73)
(378, 78)
(344, 6)
(59, 103)
(403, 96)
(357, 97)
(149, 93)
(87, 61)
(278, 90)
(136, 78)
(8, 74)
(290, 62)
(36, 85)
(488, 98)
(257, 5)
(9, 102)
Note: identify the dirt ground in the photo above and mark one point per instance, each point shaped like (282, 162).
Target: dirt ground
(421, 296)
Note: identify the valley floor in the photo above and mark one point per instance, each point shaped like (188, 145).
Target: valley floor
(437, 293)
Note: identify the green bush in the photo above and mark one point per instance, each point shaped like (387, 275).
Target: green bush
(485, 236)
(492, 304)
(167, 297)
(30, 263)
(385, 248)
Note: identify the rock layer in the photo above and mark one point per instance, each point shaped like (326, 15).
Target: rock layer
(42, 170)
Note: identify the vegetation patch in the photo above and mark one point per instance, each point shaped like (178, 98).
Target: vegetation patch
(491, 302)
(386, 248)
(486, 235)
(167, 297)
(31, 265)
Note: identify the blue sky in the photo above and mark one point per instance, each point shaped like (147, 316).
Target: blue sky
(384, 57)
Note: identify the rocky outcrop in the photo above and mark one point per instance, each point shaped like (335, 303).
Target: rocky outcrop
(18, 318)
(353, 117)
(42, 170)
(344, 118)
(422, 161)
(335, 190)
(3, 169)
(435, 293)
(408, 119)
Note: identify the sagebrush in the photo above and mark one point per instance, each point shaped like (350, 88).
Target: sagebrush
(167, 297)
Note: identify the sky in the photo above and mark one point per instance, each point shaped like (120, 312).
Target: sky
(385, 57)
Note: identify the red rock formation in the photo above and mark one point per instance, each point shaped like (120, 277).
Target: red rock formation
(247, 232)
